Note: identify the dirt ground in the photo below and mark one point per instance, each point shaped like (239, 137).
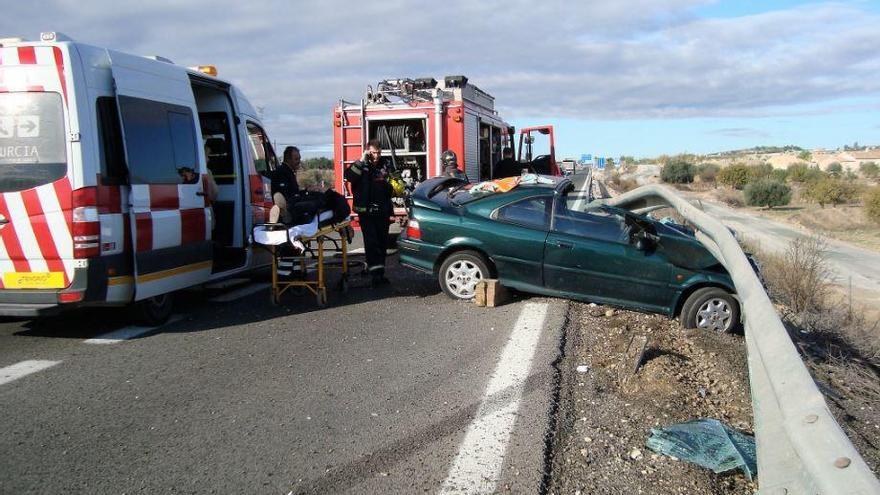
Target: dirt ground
(604, 418)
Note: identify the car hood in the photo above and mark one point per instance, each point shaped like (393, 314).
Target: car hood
(682, 248)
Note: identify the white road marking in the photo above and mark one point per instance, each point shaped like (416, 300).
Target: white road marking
(127, 333)
(477, 466)
(239, 293)
(24, 368)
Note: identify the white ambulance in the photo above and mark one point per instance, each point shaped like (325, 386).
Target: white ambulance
(104, 162)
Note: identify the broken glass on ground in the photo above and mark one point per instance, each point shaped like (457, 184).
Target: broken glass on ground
(708, 443)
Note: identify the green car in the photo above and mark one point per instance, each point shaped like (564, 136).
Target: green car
(549, 239)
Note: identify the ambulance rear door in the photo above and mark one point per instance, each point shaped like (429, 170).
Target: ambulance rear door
(171, 224)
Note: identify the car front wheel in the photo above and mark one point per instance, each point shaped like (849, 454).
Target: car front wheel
(710, 308)
(460, 273)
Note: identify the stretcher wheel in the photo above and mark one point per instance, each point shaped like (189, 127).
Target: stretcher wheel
(342, 285)
(273, 297)
(321, 298)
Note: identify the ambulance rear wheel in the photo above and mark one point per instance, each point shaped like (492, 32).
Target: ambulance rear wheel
(154, 311)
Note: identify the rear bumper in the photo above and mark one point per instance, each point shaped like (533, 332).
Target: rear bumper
(29, 310)
(418, 255)
(41, 302)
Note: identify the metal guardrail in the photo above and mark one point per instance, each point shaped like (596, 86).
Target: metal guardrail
(801, 448)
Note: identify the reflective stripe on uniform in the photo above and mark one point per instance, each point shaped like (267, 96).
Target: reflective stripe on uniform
(376, 267)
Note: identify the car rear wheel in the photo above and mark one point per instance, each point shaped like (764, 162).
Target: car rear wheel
(460, 273)
(154, 311)
(710, 308)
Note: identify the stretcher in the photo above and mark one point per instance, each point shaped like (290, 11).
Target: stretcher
(303, 249)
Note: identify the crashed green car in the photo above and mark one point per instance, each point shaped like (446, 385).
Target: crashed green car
(550, 239)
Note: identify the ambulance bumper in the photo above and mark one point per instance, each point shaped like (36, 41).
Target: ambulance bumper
(42, 302)
(29, 309)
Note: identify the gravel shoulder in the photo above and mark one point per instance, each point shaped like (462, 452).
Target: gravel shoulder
(604, 419)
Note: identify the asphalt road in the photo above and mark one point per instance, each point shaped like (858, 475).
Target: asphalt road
(847, 261)
(377, 393)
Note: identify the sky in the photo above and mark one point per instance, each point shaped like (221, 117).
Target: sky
(614, 77)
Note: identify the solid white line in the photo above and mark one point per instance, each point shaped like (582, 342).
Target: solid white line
(127, 333)
(24, 368)
(239, 293)
(477, 466)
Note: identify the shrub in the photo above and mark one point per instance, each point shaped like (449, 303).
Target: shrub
(801, 172)
(735, 176)
(835, 169)
(677, 172)
(799, 277)
(767, 192)
(708, 172)
(870, 170)
(805, 155)
(831, 191)
(731, 197)
(760, 171)
(872, 204)
(779, 174)
(315, 179)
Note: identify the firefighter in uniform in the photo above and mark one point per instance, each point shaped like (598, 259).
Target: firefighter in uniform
(372, 202)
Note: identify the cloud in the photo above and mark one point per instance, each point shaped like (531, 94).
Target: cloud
(598, 60)
(739, 132)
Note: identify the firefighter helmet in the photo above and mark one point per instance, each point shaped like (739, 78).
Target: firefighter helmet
(448, 158)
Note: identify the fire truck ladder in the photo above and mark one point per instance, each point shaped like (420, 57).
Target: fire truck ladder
(359, 144)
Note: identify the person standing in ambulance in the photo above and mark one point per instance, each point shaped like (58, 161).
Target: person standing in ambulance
(284, 184)
(372, 202)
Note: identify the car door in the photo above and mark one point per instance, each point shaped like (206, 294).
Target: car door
(171, 224)
(517, 240)
(589, 256)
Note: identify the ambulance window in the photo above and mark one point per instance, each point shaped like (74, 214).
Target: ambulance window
(218, 146)
(160, 139)
(112, 154)
(33, 145)
(264, 156)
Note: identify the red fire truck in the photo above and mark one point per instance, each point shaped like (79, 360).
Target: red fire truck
(418, 119)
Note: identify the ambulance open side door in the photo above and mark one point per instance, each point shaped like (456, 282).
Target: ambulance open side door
(169, 217)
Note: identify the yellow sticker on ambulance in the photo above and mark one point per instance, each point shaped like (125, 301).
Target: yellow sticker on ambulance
(33, 280)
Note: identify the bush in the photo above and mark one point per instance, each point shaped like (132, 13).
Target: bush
(799, 277)
(835, 169)
(831, 191)
(872, 204)
(779, 174)
(761, 171)
(708, 172)
(315, 179)
(767, 192)
(870, 170)
(805, 155)
(735, 176)
(801, 172)
(677, 172)
(730, 197)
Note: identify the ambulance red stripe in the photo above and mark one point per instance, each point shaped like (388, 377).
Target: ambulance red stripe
(164, 197)
(10, 240)
(59, 65)
(192, 225)
(26, 55)
(144, 224)
(109, 198)
(42, 233)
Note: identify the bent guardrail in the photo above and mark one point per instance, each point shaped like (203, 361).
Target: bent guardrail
(801, 448)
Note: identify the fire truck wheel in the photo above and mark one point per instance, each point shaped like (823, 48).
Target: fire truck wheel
(155, 310)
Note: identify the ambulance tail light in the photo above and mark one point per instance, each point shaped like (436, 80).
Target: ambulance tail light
(86, 224)
(412, 230)
(70, 297)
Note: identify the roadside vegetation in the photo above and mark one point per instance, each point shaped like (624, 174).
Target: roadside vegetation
(839, 343)
(316, 174)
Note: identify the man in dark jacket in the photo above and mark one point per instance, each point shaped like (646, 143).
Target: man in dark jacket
(507, 166)
(372, 202)
(284, 184)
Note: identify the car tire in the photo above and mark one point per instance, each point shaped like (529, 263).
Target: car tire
(460, 273)
(155, 310)
(710, 308)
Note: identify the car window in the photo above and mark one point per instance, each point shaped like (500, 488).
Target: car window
(593, 223)
(529, 212)
(33, 146)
